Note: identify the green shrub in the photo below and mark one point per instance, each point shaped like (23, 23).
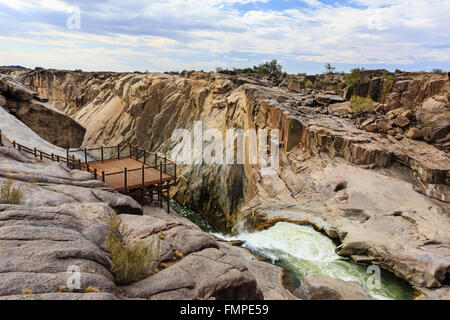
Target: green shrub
(427, 123)
(243, 70)
(307, 83)
(142, 88)
(388, 84)
(352, 79)
(361, 105)
(438, 71)
(10, 195)
(130, 262)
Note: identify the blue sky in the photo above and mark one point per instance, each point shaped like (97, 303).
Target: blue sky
(165, 35)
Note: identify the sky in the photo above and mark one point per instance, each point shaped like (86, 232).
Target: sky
(174, 35)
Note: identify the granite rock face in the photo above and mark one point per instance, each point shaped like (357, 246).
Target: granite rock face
(383, 196)
(53, 126)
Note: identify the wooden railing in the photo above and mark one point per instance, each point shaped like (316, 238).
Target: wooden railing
(70, 160)
(150, 160)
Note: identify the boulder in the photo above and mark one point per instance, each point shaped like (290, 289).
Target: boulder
(369, 125)
(439, 130)
(318, 287)
(435, 87)
(402, 121)
(295, 85)
(208, 274)
(408, 114)
(15, 89)
(340, 108)
(401, 86)
(433, 106)
(374, 88)
(55, 127)
(383, 126)
(414, 133)
(327, 99)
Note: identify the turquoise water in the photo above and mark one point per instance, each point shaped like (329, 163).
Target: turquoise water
(303, 250)
(192, 216)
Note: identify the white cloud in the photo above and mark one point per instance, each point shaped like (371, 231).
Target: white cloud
(373, 32)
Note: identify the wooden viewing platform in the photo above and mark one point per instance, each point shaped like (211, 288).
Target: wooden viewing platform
(123, 168)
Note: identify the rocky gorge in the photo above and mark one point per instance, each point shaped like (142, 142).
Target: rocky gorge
(376, 182)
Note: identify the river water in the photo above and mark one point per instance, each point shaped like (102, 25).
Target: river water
(302, 250)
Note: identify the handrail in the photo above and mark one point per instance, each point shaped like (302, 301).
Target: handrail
(135, 152)
(150, 160)
(70, 160)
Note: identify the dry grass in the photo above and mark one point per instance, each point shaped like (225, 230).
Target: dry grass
(9, 194)
(130, 262)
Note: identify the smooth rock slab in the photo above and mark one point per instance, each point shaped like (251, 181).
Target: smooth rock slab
(318, 287)
(208, 274)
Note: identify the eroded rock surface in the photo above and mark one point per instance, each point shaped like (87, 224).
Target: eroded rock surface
(360, 178)
(318, 287)
(61, 224)
(50, 124)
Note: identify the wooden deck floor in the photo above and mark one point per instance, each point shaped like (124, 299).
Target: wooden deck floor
(114, 173)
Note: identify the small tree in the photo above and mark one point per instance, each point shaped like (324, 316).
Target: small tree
(329, 68)
(438, 71)
(272, 67)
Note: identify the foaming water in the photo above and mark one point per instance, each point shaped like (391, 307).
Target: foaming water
(304, 250)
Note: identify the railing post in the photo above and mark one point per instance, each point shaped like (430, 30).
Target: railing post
(1, 139)
(168, 199)
(14, 144)
(118, 152)
(143, 175)
(102, 154)
(40, 155)
(35, 152)
(103, 176)
(165, 164)
(156, 159)
(145, 155)
(125, 179)
(57, 159)
(85, 155)
(95, 173)
(160, 185)
(87, 167)
(68, 159)
(53, 158)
